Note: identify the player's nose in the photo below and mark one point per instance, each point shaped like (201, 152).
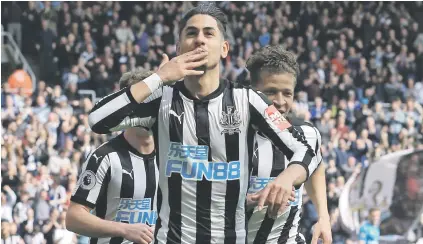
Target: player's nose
(200, 40)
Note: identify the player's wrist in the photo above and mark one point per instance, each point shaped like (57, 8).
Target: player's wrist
(121, 229)
(323, 217)
(153, 82)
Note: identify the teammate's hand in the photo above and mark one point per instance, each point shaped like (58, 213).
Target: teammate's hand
(322, 230)
(275, 196)
(183, 65)
(138, 233)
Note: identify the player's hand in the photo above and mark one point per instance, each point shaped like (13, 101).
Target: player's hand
(276, 195)
(322, 230)
(183, 65)
(138, 233)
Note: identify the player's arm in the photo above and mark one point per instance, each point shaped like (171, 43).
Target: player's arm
(316, 185)
(316, 189)
(123, 109)
(266, 119)
(142, 100)
(91, 185)
(81, 221)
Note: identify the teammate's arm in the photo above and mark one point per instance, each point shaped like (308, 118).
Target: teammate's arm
(81, 221)
(142, 100)
(291, 142)
(266, 119)
(316, 189)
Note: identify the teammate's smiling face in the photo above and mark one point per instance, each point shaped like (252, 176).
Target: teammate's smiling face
(203, 31)
(279, 88)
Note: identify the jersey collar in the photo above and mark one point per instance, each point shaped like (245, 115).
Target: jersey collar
(181, 87)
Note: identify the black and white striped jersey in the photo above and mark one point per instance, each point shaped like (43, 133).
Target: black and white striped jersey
(268, 162)
(119, 184)
(203, 154)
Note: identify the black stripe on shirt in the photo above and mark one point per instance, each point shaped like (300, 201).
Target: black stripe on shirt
(175, 180)
(232, 186)
(150, 181)
(255, 158)
(278, 162)
(283, 238)
(264, 230)
(251, 144)
(127, 185)
(204, 187)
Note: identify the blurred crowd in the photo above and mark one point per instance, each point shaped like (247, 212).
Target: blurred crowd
(360, 84)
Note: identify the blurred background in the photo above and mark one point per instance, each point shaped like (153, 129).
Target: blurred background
(360, 84)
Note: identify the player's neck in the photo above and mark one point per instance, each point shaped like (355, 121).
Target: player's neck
(144, 144)
(201, 86)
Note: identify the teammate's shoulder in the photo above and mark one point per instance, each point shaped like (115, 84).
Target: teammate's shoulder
(296, 121)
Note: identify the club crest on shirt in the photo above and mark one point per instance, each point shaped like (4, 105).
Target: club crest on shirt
(87, 180)
(230, 121)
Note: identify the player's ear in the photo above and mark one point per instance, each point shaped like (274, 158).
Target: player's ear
(225, 49)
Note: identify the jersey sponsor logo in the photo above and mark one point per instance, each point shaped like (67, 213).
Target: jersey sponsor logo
(277, 118)
(176, 115)
(87, 180)
(258, 183)
(136, 211)
(230, 121)
(191, 162)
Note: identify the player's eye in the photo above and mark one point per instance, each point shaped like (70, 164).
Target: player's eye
(269, 93)
(191, 33)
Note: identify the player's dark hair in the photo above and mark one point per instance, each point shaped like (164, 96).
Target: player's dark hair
(273, 59)
(206, 9)
(132, 77)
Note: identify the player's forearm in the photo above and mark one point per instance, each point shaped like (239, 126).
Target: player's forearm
(296, 173)
(316, 190)
(80, 221)
(118, 109)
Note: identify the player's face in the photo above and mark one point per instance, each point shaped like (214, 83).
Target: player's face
(279, 88)
(203, 31)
